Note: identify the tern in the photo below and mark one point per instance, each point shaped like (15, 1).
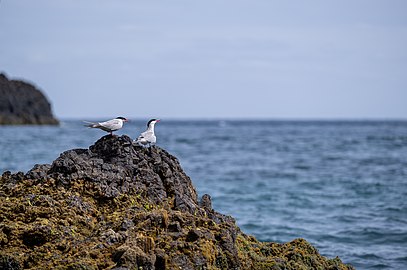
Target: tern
(108, 126)
(148, 138)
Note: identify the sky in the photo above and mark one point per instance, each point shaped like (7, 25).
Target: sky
(316, 59)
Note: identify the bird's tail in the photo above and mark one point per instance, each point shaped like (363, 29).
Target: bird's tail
(90, 124)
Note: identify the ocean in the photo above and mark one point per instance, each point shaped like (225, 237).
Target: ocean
(341, 185)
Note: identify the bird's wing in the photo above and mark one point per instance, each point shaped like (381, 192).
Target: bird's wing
(91, 124)
(144, 136)
(113, 124)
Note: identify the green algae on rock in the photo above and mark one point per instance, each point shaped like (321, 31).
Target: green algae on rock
(119, 206)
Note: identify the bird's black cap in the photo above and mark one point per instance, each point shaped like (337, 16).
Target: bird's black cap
(120, 117)
(148, 124)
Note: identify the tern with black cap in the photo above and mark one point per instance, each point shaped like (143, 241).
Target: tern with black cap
(148, 138)
(108, 126)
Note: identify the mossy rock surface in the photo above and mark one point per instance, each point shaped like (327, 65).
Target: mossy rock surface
(119, 206)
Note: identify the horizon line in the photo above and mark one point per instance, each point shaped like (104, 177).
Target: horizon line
(293, 119)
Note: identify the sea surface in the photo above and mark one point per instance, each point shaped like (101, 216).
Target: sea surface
(341, 185)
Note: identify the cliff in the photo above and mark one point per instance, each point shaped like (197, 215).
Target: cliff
(120, 206)
(22, 104)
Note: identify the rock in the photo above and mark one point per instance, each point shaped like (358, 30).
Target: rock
(37, 236)
(9, 263)
(206, 202)
(121, 206)
(22, 103)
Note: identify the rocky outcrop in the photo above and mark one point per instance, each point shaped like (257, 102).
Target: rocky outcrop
(120, 206)
(22, 104)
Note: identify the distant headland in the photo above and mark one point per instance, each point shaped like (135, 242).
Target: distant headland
(21, 103)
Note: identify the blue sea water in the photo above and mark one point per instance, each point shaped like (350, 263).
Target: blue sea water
(342, 185)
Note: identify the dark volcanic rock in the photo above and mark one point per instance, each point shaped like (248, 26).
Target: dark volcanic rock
(21, 104)
(113, 166)
(120, 206)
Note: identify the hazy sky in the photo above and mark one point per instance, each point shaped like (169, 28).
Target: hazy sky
(212, 58)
